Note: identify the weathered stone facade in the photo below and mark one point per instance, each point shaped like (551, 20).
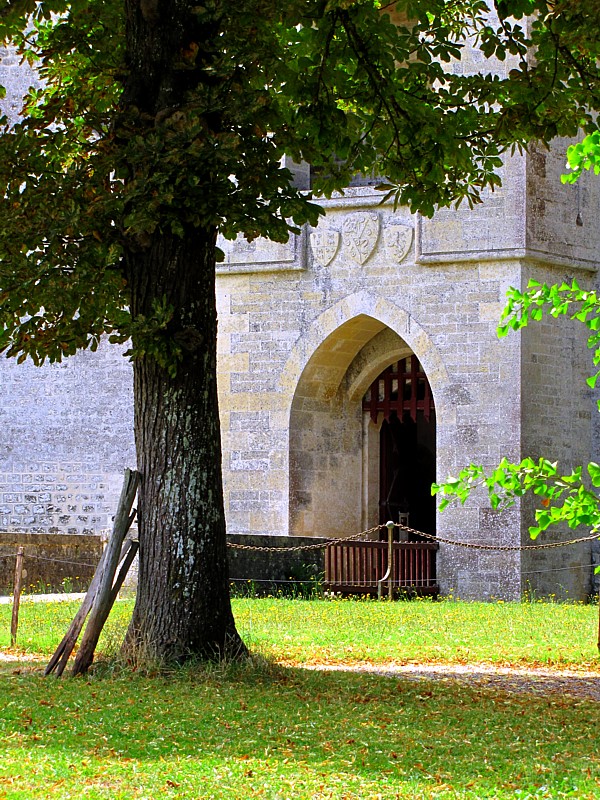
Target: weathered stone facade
(304, 329)
(303, 335)
(66, 434)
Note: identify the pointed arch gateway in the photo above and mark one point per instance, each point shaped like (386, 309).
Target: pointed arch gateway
(362, 451)
(344, 435)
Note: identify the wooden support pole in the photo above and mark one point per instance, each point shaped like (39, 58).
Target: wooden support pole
(14, 623)
(128, 553)
(63, 652)
(125, 554)
(104, 598)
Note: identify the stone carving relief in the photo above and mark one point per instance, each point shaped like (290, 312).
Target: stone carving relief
(361, 231)
(397, 240)
(324, 244)
(359, 237)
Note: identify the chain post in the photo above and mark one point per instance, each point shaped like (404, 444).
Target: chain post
(390, 526)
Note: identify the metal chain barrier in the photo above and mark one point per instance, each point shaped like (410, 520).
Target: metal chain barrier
(470, 545)
(499, 547)
(318, 546)
(357, 536)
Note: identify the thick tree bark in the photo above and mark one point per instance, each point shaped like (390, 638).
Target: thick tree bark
(182, 608)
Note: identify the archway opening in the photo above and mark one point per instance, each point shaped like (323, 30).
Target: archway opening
(354, 457)
(399, 403)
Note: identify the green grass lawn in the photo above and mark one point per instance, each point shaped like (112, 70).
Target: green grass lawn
(416, 631)
(302, 631)
(280, 731)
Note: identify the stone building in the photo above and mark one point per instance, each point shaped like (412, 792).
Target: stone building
(413, 304)
(357, 363)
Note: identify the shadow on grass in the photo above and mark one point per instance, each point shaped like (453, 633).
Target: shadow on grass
(282, 732)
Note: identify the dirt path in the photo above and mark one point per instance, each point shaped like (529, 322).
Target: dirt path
(44, 598)
(580, 684)
(533, 680)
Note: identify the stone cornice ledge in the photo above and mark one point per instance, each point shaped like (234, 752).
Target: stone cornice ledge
(356, 197)
(537, 258)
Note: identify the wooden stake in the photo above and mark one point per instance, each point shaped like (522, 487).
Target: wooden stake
(126, 553)
(104, 597)
(63, 652)
(14, 623)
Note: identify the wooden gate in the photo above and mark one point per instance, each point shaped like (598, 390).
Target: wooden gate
(400, 400)
(356, 567)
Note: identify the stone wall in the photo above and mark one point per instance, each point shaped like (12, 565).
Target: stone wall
(52, 562)
(16, 77)
(269, 569)
(66, 435)
(556, 410)
(66, 430)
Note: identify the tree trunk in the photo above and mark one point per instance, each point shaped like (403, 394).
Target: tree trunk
(182, 608)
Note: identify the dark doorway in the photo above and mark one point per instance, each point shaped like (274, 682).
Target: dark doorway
(407, 445)
(407, 470)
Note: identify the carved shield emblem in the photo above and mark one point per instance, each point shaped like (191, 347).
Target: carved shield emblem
(398, 239)
(324, 245)
(361, 232)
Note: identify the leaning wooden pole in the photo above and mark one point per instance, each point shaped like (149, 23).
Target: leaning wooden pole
(61, 656)
(128, 553)
(104, 598)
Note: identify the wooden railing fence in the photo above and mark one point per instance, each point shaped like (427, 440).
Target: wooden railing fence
(356, 567)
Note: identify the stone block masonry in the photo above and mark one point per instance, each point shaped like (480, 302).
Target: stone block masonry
(52, 562)
(66, 434)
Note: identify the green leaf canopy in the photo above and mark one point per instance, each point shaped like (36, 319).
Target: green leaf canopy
(350, 87)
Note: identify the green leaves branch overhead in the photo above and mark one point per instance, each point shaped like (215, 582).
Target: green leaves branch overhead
(568, 300)
(563, 498)
(584, 155)
(88, 175)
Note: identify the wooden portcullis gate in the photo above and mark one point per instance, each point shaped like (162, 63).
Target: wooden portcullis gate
(356, 567)
(400, 403)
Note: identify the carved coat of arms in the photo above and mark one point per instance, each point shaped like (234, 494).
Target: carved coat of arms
(324, 244)
(361, 232)
(397, 240)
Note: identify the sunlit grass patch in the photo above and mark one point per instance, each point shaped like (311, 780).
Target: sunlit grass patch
(43, 624)
(420, 630)
(265, 730)
(313, 631)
